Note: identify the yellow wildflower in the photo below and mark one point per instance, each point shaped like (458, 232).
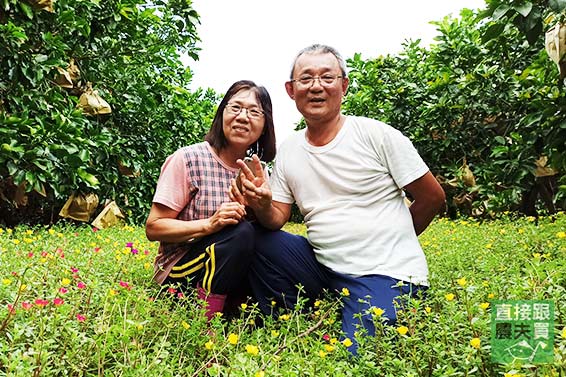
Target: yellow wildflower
(285, 317)
(462, 282)
(561, 234)
(186, 325)
(378, 312)
(233, 339)
(65, 281)
(428, 309)
(274, 333)
(491, 295)
(484, 305)
(260, 373)
(402, 330)
(475, 342)
(243, 306)
(347, 342)
(251, 349)
(317, 303)
(209, 345)
(322, 354)
(345, 292)
(6, 281)
(449, 296)
(328, 348)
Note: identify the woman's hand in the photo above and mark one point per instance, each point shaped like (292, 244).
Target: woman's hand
(230, 213)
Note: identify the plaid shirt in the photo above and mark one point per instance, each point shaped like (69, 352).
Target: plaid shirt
(208, 181)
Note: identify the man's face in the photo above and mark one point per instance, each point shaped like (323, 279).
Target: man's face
(319, 99)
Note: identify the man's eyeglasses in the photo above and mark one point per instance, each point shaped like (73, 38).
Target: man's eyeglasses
(237, 109)
(308, 81)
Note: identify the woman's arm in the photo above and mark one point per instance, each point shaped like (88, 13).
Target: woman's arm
(162, 223)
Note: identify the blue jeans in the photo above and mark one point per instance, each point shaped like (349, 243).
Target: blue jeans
(283, 260)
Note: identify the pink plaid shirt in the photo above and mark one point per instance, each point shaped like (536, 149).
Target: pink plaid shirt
(195, 182)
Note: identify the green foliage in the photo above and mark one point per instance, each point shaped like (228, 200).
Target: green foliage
(491, 108)
(129, 52)
(74, 301)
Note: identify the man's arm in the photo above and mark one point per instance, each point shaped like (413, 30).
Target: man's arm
(428, 200)
(256, 193)
(273, 216)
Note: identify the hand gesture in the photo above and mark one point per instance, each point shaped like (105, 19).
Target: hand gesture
(255, 191)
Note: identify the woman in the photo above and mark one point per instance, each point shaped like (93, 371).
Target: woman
(205, 240)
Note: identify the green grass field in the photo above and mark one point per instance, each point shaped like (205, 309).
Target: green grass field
(80, 302)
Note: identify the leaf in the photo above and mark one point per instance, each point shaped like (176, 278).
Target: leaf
(27, 10)
(557, 6)
(524, 9)
(492, 32)
(84, 155)
(90, 179)
(500, 11)
(500, 140)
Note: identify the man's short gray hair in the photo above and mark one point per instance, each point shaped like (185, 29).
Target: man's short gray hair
(321, 49)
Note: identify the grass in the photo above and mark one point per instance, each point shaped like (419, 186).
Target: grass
(80, 302)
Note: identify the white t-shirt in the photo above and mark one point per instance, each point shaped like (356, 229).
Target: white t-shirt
(349, 192)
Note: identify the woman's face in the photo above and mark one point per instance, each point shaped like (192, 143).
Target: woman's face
(243, 119)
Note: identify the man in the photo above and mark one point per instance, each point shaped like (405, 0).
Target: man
(348, 176)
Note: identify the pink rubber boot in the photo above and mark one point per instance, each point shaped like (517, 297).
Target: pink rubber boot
(214, 302)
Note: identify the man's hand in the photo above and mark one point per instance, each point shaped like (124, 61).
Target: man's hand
(255, 191)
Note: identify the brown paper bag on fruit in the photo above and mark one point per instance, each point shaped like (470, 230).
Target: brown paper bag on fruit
(109, 216)
(80, 207)
(91, 103)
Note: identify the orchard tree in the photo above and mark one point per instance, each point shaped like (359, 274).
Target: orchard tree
(93, 97)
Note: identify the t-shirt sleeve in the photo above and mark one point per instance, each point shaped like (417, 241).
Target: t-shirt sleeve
(401, 157)
(280, 190)
(173, 184)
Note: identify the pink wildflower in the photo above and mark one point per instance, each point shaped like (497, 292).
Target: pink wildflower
(125, 285)
(26, 305)
(63, 290)
(81, 285)
(41, 302)
(81, 318)
(58, 301)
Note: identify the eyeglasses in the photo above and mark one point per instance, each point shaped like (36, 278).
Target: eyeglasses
(237, 109)
(308, 81)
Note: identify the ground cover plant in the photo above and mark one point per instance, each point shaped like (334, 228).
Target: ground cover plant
(77, 301)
